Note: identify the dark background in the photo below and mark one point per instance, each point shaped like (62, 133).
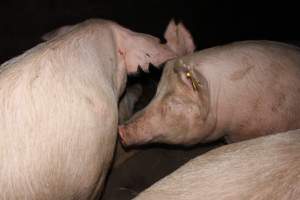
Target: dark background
(211, 22)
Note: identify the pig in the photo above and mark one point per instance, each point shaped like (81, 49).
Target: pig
(263, 168)
(59, 108)
(238, 91)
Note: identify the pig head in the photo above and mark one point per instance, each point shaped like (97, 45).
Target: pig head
(177, 113)
(240, 90)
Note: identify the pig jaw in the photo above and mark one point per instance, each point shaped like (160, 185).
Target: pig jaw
(155, 124)
(141, 131)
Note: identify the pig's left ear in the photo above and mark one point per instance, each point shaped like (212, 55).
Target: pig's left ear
(57, 32)
(179, 39)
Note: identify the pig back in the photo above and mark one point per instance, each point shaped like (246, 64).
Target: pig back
(263, 168)
(58, 127)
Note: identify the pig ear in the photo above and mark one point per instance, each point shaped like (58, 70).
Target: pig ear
(57, 32)
(179, 39)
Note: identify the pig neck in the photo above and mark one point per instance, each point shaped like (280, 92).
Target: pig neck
(94, 47)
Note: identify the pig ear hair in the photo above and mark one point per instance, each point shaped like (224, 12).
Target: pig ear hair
(57, 32)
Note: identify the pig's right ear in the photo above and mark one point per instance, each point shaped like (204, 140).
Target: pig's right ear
(57, 32)
(179, 39)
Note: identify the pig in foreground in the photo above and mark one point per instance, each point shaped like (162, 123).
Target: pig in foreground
(241, 90)
(59, 112)
(259, 169)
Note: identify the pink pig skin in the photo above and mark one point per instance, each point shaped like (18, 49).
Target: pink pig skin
(240, 90)
(259, 169)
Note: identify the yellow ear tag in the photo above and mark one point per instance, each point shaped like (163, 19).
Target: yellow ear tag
(195, 83)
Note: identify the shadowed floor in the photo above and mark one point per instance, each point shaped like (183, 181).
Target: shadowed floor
(148, 166)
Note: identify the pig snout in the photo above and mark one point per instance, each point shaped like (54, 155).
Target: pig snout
(123, 134)
(137, 130)
(130, 134)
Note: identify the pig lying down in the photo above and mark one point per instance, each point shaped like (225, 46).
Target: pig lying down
(259, 169)
(241, 90)
(59, 112)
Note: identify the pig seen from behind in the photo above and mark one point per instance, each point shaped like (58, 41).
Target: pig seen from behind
(59, 107)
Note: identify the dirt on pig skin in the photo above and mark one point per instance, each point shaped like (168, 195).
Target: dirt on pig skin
(148, 166)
